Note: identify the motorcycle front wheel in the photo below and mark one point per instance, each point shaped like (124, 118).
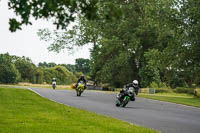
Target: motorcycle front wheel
(117, 103)
(125, 102)
(78, 93)
(54, 87)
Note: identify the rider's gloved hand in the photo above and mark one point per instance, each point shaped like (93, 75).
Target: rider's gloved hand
(136, 92)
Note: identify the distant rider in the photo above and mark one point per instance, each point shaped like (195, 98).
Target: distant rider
(126, 87)
(54, 82)
(82, 78)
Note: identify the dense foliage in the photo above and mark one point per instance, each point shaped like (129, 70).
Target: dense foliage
(61, 11)
(8, 71)
(154, 41)
(15, 69)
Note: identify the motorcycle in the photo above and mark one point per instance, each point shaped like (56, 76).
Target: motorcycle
(123, 99)
(54, 85)
(80, 88)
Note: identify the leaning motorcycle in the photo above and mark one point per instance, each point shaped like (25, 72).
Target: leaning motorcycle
(122, 101)
(79, 89)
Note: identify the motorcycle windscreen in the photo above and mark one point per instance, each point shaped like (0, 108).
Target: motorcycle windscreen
(131, 89)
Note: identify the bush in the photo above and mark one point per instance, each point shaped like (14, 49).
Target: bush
(8, 71)
(184, 90)
(197, 93)
(9, 74)
(26, 68)
(38, 77)
(107, 87)
(160, 85)
(62, 75)
(154, 85)
(163, 90)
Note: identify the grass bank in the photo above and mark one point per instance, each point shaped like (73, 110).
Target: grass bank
(22, 111)
(28, 85)
(174, 98)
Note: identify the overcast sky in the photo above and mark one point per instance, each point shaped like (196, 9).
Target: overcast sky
(25, 42)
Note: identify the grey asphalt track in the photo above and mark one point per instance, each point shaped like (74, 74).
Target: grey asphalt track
(162, 116)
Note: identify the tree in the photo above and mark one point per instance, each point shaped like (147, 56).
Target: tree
(190, 61)
(38, 76)
(8, 71)
(69, 67)
(82, 33)
(45, 64)
(124, 31)
(82, 65)
(62, 12)
(152, 41)
(51, 64)
(62, 75)
(25, 67)
(119, 58)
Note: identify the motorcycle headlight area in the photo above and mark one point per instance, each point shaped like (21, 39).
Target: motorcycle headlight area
(131, 90)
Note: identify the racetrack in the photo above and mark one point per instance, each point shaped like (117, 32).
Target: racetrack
(162, 116)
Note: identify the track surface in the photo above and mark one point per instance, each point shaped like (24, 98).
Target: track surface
(162, 116)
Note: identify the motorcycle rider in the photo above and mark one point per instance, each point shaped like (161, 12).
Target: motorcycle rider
(54, 82)
(82, 78)
(134, 84)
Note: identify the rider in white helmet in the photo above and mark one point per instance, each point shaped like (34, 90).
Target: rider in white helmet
(134, 84)
(54, 83)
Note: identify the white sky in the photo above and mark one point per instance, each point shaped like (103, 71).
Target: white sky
(25, 42)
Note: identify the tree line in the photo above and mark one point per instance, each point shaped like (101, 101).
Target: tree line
(14, 69)
(154, 41)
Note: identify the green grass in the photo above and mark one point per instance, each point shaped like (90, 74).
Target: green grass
(22, 111)
(29, 85)
(174, 98)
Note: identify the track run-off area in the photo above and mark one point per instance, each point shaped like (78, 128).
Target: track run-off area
(162, 116)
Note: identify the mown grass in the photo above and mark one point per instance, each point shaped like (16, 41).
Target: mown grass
(174, 98)
(29, 85)
(22, 111)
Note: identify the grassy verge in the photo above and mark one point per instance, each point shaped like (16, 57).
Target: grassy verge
(26, 85)
(174, 98)
(22, 111)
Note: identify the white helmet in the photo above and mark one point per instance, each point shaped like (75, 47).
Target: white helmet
(135, 83)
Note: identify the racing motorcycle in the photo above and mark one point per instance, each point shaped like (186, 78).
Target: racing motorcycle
(125, 97)
(80, 88)
(54, 85)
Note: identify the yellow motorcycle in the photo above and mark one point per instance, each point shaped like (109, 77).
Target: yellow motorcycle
(80, 88)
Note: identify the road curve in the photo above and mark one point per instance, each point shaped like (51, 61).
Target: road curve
(162, 116)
